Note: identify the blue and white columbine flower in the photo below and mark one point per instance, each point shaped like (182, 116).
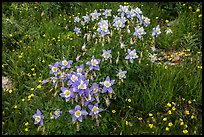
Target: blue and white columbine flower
(54, 68)
(95, 15)
(66, 64)
(38, 117)
(57, 113)
(77, 19)
(107, 54)
(121, 74)
(119, 23)
(123, 10)
(107, 85)
(94, 110)
(67, 93)
(107, 12)
(103, 27)
(153, 57)
(77, 30)
(86, 18)
(93, 64)
(156, 31)
(139, 31)
(146, 21)
(138, 11)
(131, 55)
(77, 113)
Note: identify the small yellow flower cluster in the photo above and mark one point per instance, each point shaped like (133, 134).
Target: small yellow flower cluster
(29, 97)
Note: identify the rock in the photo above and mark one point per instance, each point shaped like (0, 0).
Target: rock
(6, 83)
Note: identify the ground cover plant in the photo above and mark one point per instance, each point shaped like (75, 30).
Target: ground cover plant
(92, 68)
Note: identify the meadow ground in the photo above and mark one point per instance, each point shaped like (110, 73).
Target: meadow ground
(116, 68)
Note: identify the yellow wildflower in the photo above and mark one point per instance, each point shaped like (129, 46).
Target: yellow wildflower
(129, 100)
(185, 131)
(185, 126)
(113, 111)
(140, 118)
(167, 21)
(15, 106)
(26, 129)
(10, 91)
(29, 97)
(26, 124)
(126, 122)
(34, 74)
(169, 112)
(39, 86)
(156, 18)
(187, 112)
(32, 89)
(192, 117)
(23, 99)
(32, 95)
(189, 102)
(40, 81)
(150, 114)
(170, 124)
(173, 108)
(190, 7)
(182, 123)
(197, 10)
(33, 69)
(165, 119)
(168, 104)
(180, 119)
(151, 125)
(167, 129)
(200, 15)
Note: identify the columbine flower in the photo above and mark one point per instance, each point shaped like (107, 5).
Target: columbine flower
(88, 97)
(123, 9)
(146, 21)
(138, 11)
(80, 69)
(77, 19)
(103, 27)
(107, 54)
(77, 113)
(131, 55)
(73, 78)
(121, 74)
(57, 113)
(86, 18)
(67, 93)
(107, 85)
(156, 31)
(168, 31)
(139, 31)
(65, 63)
(77, 30)
(131, 13)
(93, 64)
(153, 57)
(95, 15)
(107, 13)
(54, 68)
(118, 24)
(94, 110)
(38, 117)
(95, 88)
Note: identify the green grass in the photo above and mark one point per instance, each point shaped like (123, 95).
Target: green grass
(34, 35)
